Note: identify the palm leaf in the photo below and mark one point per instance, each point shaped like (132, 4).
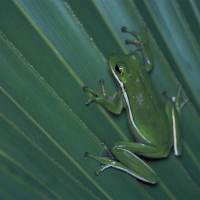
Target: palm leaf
(49, 50)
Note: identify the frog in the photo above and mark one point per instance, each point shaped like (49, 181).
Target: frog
(155, 127)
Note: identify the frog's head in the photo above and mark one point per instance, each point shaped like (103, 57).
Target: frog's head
(124, 66)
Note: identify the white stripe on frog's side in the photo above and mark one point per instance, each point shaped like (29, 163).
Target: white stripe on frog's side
(130, 171)
(129, 107)
(174, 133)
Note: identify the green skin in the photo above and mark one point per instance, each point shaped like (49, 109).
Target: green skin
(155, 128)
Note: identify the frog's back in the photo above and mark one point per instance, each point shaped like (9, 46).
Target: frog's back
(149, 120)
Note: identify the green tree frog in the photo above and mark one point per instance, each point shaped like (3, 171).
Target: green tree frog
(155, 127)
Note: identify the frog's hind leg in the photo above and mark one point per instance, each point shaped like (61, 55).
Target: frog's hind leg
(173, 109)
(129, 162)
(132, 164)
(146, 174)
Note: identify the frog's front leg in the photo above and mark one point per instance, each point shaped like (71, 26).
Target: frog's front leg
(141, 43)
(114, 104)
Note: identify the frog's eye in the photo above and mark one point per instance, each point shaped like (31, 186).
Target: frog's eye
(118, 69)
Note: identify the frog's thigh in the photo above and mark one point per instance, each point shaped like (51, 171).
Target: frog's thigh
(133, 164)
(139, 148)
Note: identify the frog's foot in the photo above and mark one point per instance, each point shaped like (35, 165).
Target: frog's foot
(105, 158)
(105, 162)
(178, 100)
(102, 98)
(141, 37)
(106, 152)
(96, 95)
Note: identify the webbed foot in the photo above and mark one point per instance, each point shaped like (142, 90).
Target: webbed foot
(96, 95)
(141, 37)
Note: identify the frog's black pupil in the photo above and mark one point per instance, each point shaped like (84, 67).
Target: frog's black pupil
(118, 69)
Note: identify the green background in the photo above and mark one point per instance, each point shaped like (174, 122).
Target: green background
(50, 49)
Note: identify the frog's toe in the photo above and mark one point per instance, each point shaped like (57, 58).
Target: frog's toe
(87, 103)
(166, 94)
(184, 101)
(85, 88)
(86, 154)
(96, 173)
(101, 81)
(136, 42)
(124, 29)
